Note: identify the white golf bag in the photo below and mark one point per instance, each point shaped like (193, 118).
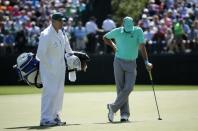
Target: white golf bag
(27, 68)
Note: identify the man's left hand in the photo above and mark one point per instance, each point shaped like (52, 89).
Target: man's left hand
(148, 65)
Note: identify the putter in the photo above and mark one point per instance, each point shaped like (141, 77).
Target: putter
(151, 79)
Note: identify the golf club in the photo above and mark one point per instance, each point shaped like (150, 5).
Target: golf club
(151, 79)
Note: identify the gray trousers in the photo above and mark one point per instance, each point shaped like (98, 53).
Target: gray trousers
(125, 76)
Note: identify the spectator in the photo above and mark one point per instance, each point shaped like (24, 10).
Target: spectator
(2, 31)
(169, 4)
(107, 25)
(159, 42)
(179, 36)
(144, 22)
(153, 8)
(195, 8)
(92, 29)
(7, 23)
(17, 24)
(9, 42)
(69, 29)
(187, 33)
(148, 36)
(34, 33)
(15, 13)
(167, 20)
(80, 35)
(186, 28)
(23, 17)
(156, 21)
(194, 36)
(169, 37)
(21, 40)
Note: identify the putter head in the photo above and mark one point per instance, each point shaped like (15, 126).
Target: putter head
(159, 118)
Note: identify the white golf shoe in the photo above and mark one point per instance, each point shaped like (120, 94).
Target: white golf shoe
(124, 118)
(110, 113)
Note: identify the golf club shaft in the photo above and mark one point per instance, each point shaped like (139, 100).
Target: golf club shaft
(151, 79)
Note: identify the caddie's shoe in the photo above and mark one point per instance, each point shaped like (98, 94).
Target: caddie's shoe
(124, 119)
(57, 119)
(48, 123)
(59, 122)
(110, 113)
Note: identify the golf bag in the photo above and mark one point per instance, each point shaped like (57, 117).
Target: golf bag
(27, 69)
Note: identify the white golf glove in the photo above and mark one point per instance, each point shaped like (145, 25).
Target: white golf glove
(148, 65)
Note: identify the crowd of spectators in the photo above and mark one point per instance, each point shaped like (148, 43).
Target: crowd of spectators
(21, 21)
(170, 26)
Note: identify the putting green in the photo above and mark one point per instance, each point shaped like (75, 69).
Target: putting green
(87, 112)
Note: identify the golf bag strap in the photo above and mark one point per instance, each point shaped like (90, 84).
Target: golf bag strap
(35, 80)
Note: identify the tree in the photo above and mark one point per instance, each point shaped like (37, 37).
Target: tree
(122, 8)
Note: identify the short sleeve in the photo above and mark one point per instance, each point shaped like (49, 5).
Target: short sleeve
(140, 36)
(112, 34)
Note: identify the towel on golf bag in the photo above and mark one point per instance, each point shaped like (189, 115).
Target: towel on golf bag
(27, 69)
(76, 62)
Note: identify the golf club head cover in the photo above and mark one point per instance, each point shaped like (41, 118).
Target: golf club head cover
(84, 58)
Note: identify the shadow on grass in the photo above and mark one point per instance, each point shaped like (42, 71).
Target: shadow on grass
(116, 122)
(119, 122)
(38, 127)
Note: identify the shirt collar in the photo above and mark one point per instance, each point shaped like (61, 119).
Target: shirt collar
(123, 31)
(53, 30)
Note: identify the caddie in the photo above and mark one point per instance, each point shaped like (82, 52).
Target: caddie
(51, 49)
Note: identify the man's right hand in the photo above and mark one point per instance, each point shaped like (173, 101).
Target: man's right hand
(114, 47)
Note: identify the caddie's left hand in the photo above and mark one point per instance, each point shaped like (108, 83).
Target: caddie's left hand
(148, 65)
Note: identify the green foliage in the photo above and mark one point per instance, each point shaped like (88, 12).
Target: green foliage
(122, 8)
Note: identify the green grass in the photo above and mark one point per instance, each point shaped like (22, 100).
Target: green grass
(15, 90)
(88, 112)
(84, 108)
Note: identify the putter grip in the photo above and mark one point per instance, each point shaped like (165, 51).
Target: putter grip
(150, 75)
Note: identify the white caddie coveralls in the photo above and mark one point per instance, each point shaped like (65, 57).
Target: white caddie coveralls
(51, 50)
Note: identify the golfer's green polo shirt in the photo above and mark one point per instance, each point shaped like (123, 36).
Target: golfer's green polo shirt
(127, 43)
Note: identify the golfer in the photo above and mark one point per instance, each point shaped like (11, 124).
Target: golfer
(128, 39)
(51, 49)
